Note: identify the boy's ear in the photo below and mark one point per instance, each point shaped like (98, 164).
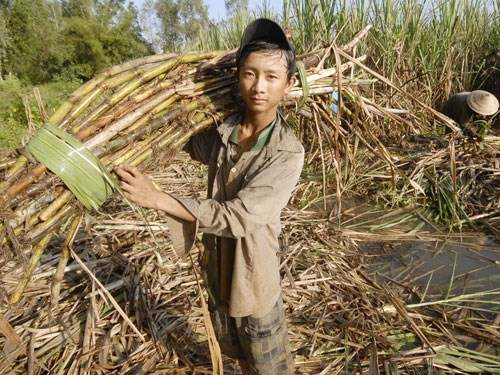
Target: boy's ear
(291, 82)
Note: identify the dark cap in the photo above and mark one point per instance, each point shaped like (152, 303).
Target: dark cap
(264, 29)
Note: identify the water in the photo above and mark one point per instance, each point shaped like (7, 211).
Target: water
(429, 261)
(439, 268)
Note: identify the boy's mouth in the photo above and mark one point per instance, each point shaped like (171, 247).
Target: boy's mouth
(258, 100)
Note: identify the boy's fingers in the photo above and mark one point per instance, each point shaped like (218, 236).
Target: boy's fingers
(134, 171)
(121, 172)
(126, 171)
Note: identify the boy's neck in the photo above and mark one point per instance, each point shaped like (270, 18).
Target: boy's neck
(257, 122)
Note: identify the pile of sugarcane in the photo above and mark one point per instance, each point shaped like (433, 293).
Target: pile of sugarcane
(142, 113)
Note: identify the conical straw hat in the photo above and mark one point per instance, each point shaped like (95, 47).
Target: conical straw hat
(482, 102)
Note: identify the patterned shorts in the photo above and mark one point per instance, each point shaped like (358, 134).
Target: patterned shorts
(262, 342)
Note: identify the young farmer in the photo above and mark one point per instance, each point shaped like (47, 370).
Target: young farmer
(254, 162)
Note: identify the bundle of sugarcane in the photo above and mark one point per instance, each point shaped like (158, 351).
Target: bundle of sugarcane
(129, 113)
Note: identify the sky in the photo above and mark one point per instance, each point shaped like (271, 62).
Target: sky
(217, 10)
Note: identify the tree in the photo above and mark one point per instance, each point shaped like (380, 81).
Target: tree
(150, 25)
(5, 42)
(48, 40)
(233, 7)
(78, 8)
(101, 33)
(180, 22)
(121, 36)
(34, 52)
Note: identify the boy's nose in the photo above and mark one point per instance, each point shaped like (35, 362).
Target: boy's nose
(259, 84)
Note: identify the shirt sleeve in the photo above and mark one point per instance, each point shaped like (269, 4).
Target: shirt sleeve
(199, 146)
(258, 203)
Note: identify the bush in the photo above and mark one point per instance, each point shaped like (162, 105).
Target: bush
(13, 123)
(14, 95)
(53, 94)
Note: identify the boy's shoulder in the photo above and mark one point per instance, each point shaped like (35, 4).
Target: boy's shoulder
(286, 138)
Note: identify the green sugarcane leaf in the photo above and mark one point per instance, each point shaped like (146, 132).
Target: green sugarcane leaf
(303, 81)
(81, 171)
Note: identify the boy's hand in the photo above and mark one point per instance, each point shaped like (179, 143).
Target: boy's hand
(138, 187)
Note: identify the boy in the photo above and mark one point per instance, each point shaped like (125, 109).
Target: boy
(254, 162)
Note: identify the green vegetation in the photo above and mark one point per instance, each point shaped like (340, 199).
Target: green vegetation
(19, 108)
(12, 114)
(429, 48)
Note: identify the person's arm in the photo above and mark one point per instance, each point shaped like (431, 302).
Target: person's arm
(258, 203)
(141, 190)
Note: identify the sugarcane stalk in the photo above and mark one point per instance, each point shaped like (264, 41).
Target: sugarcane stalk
(124, 122)
(29, 222)
(49, 225)
(152, 89)
(33, 206)
(332, 71)
(117, 111)
(147, 127)
(181, 133)
(138, 148)
(63, 260)
(204, 87)
(8, 332)
(14, 173)
(139, 157)
(127, 89)
(134, 79)
(81, 106)
(56, 205)
(60, 113)
(215, 118)
(16, 189)
(61, 117)
(121, 145)
(154, 112)
(163, 138)
(16, 166)
(114, 113)
(7, 163)
(28, 270)
(46, 182)
(102, 121)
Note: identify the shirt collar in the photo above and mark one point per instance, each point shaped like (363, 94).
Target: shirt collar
(261, 141)
(282, 138)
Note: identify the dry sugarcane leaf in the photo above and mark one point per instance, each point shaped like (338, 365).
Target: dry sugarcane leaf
(7, 330)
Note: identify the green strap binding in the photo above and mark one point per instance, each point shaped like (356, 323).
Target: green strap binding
(81, 171)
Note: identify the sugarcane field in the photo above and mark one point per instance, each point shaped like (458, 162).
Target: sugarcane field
(389, 253)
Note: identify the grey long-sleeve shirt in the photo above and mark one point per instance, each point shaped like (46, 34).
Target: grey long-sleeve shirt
(241, 215)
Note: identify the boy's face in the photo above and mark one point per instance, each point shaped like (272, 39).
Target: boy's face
(263, 81)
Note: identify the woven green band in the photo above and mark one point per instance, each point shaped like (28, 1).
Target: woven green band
(81, 171)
